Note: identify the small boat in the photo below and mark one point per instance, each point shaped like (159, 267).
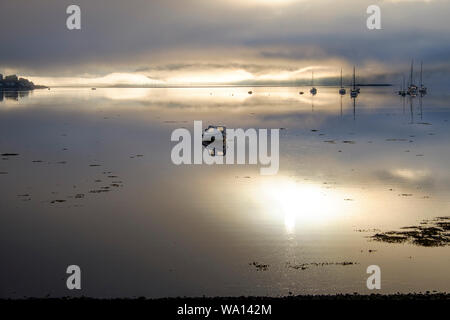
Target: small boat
(301, 92)
(250, 92)
(354, 91)
(402, 91)
(93, 88)
(313, 89)
(412, 88)
(422, 89)
(342, 90)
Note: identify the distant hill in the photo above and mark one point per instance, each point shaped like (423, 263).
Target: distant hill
(12, 82)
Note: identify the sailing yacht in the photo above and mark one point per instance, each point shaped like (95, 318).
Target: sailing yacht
(342, 90)
(354, 91)
(313, 89)
(422, 89)
(402, 91)
(412, 88)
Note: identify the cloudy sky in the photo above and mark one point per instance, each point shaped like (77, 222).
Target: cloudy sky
(154, 42)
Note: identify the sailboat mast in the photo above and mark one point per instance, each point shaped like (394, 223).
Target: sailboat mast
(354, 78)
(312, 79)
(341, 78)
(421, 64)
(412, 70)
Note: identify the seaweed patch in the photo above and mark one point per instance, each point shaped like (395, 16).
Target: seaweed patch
(430, 233)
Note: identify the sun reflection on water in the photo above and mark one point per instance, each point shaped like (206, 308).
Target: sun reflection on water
(300, 203)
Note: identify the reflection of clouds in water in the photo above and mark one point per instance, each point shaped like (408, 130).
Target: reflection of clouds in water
(411, 174)
(228, 214)
(406, 176)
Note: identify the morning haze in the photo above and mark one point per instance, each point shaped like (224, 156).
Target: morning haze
(146, 43)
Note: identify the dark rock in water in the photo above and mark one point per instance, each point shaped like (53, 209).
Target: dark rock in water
(57, 201)
(389, 237)
(259, 266)
(430, 233)
(9, 154)
(99, 191)
(304, 266)
(394, 139)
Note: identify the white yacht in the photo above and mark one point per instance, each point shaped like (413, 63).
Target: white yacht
(313, 89)
(354, 91)
(412, 88)
(422, 89)
(342, 90)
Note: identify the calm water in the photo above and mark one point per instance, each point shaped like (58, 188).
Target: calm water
(138, 225)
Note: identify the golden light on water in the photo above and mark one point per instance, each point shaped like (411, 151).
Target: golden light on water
(191, 77)
(300, 203)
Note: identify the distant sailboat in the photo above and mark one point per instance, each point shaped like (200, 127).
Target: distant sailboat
(342, 90)
(313, 89)
(422, 89)
(412, 88)
(402, 91)
(354, 91)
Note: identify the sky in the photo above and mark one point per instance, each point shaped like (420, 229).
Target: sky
(191, 42)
